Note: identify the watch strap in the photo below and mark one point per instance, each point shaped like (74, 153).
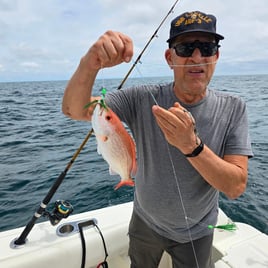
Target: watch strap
(197, 150)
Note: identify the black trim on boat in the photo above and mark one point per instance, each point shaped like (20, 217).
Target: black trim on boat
(83, 224)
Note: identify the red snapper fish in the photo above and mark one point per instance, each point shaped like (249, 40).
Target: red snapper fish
(114, 144)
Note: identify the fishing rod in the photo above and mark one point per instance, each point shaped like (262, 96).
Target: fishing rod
(64, 209)
(147, 44)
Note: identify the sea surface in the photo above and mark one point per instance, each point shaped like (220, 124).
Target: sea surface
(37, 142)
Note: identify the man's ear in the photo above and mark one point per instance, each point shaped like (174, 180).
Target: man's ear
(168, 56)
(218, 54)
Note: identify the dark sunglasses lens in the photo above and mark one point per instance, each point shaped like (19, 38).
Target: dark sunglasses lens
(207, 49)
(184, 50)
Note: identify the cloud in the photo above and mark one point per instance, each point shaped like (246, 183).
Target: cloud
(53, 35)
(25, 51)
(33, 65)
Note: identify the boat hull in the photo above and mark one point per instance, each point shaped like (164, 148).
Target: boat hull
(60, 246)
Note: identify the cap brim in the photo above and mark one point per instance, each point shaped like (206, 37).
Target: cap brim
(218, 36)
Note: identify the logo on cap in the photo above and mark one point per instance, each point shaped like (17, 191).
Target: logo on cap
(194, 17)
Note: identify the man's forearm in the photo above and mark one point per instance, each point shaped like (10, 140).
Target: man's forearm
(228, 175)
(78, 92)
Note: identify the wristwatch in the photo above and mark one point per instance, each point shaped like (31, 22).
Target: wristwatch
(197, 150)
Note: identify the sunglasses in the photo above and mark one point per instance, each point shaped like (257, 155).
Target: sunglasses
(207, 49)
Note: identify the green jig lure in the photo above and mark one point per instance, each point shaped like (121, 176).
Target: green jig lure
(101, 101)
(226, 227)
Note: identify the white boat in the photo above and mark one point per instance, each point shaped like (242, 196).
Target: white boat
(60, 246)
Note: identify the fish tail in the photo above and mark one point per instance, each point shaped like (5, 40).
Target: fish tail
(128, 182)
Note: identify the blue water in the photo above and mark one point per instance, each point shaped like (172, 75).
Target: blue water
(37, 141)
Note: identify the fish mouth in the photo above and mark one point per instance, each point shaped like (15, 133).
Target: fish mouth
(101, 108)
(101, 111)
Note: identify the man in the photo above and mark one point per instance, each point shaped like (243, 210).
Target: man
(191, 145)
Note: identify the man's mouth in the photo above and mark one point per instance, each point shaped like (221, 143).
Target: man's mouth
(196, 71)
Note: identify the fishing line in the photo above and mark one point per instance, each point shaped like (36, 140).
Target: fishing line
(153, 97)
(193, 65)
(181, 65)
(182, 204)
(180, 194)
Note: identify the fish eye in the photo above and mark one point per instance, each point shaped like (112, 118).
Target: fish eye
(108, 117)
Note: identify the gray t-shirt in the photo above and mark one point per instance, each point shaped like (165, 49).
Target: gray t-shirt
(221, 122)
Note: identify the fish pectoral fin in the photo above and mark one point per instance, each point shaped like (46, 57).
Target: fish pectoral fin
(128, 182)
(103, 138)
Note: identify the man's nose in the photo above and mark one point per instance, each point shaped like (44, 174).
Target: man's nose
(196, 54)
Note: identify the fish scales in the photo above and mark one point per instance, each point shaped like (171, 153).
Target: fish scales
(115, 144)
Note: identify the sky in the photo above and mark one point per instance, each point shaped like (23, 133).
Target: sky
(45, 40)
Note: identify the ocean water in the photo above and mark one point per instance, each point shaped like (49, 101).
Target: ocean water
(37, 142)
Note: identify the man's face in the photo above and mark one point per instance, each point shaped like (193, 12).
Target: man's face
(192, 73)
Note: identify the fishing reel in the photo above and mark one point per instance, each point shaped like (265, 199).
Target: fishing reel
(62, 210)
